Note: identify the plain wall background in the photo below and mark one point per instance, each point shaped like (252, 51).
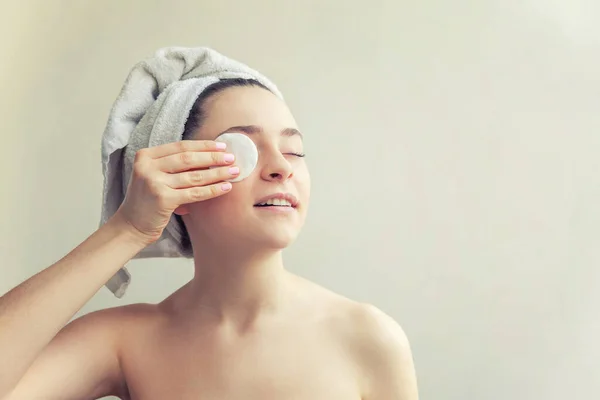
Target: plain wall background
(454, 150)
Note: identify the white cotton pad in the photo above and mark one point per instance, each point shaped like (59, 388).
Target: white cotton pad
(244, 150)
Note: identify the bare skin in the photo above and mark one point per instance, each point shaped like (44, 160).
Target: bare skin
(242, 328)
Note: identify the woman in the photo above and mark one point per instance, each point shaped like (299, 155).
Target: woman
(243, 327)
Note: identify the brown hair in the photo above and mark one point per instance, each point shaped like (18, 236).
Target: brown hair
(198, 114)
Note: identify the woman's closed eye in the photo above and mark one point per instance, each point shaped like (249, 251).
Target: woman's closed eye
(295, 154)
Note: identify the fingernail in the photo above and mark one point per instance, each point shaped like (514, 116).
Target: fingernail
(226, 186)
(221, 145)
(234, 171)
(229, 157)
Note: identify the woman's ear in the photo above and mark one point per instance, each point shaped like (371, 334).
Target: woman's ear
(182, 210)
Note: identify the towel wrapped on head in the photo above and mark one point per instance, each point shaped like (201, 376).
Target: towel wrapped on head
(152, 109)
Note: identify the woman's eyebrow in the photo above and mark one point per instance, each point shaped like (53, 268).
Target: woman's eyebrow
(292, 132)
(250, 129)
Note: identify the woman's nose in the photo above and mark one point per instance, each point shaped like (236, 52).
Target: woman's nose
(277, 168)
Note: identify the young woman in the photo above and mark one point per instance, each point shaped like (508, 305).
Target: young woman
(243, 327)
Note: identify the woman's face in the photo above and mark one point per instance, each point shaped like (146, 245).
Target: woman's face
(265, 119)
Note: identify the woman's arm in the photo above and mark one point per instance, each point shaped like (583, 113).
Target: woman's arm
(385, 357)
(32, 313)
(164, 179)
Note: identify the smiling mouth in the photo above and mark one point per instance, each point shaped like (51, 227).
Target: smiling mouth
(276, 203)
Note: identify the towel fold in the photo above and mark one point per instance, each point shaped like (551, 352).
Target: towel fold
(151, 110)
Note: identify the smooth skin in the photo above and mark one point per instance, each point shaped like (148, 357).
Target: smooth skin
(243, 327)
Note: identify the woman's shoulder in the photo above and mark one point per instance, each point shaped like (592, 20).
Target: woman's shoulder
(372, 335)
(120, 315)
(375, 344)
(362, 320)
(122, 320)
(346, 311)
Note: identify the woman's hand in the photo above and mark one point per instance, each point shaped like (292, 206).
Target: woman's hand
(167, 177)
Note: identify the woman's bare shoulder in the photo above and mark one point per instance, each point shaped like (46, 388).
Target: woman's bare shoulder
(380, 350)
(120, 320)
(365, 325)
(127, 312)
(340, 308)
(375, 340)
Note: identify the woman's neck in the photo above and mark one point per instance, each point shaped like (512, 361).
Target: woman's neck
(237, 286)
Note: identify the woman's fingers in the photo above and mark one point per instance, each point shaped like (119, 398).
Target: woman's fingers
(189, 160)
(181, 147)
(201, 193)
(202, 177)
(168, 176)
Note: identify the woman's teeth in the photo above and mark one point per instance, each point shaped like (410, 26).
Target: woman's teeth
(275, 202)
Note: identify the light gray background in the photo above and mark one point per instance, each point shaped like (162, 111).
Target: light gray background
(454, 148)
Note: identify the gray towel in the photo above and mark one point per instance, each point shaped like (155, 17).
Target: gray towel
(151, 109)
